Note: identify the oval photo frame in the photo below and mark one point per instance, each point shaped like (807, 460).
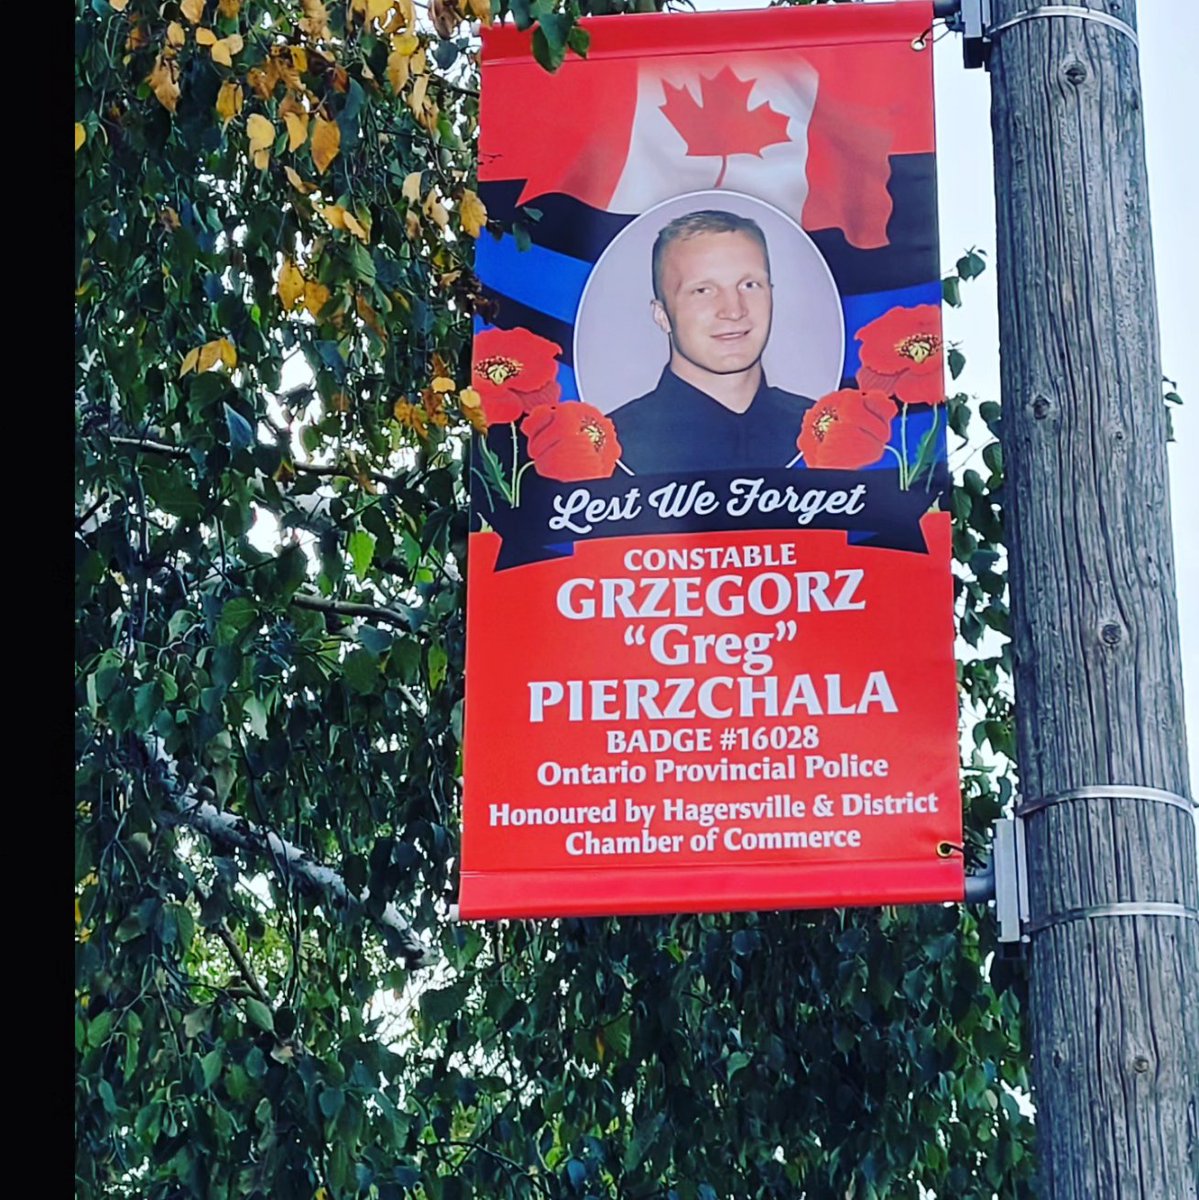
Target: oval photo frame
(619, 352)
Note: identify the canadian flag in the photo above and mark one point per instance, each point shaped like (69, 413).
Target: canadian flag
(812, 134)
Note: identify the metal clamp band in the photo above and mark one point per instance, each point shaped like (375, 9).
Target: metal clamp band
(1065, 10)
(1123, 908)
(1106, 792)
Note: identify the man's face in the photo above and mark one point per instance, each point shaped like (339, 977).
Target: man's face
(716, 303)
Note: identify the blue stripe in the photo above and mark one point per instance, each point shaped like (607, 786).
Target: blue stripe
(550, 282)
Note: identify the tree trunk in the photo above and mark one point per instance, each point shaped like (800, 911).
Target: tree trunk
(1115, 999)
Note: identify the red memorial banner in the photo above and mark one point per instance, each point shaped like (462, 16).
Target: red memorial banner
(710, 609)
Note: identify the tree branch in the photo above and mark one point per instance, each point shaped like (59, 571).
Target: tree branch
(229, 831)
(149, 446)
(349, 608)
(242, 964)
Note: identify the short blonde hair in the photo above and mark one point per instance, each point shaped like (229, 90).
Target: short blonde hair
(708, 220)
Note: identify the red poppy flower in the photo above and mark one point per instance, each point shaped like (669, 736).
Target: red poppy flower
(572, 441)
(902, 353)
(514, 371)
(846, 430)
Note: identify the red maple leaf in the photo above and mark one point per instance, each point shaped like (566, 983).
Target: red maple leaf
(723, 123)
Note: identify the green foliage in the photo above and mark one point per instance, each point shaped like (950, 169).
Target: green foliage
(269, 546)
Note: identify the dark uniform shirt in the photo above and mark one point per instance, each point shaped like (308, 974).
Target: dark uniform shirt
(677, 428)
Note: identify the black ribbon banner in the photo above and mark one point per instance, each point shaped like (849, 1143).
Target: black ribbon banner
(552, 516)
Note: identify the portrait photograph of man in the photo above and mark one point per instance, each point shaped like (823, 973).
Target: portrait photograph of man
(726, 374)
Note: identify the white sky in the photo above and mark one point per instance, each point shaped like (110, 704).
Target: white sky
(1169, 33)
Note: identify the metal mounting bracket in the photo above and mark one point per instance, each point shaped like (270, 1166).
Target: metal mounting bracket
(973, 19)
(1010, 865)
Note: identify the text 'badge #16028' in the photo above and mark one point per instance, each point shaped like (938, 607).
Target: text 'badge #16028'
(710, 608)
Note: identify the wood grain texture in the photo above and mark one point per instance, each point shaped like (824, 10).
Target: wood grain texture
(1115, 1001)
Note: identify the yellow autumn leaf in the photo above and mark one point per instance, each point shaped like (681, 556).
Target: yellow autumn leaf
(405, 43)
(175, 34)
(316, 19)
(299, 59)
(412, 224)
(205, 37)
(293, 177)
(260, 131)
(416, 98)
(164, 81)
(189, 362)
(411, 416)
(229, 8)
(368, 314)
(473, 212)
(377, 9)
(316, 296)
(262, 137)
(229, 101)
(263, 80)
(290, 284)
(193, 10)
(335, 215)
(326, 142)
(410, 189)
(471, 404)
(480, 10)
(297, 129)
(356, 227)
(223, 51)
(80, 135)
(219, 350)
(397, 71)
(118, 5)
(435, 210)
(443, 384)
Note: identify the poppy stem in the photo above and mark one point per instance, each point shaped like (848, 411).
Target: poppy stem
(516, 484)
(794, 461)
(904, 478)
(724, 166)
(625, 469)
(514, 498)
(928, 482)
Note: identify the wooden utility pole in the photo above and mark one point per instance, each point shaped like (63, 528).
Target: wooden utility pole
(1112, 862)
